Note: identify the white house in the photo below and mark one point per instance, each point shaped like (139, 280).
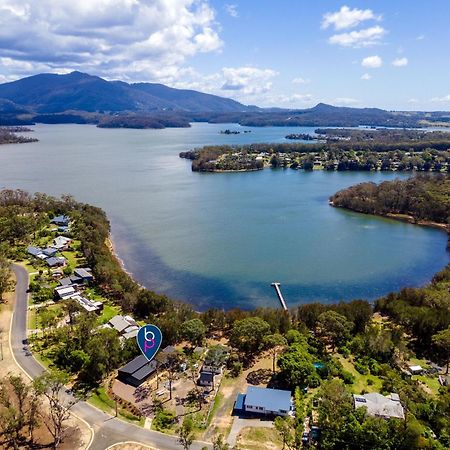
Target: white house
(274, 402)
(379, 405)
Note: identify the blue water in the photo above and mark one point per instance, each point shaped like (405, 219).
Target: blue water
(221, 239)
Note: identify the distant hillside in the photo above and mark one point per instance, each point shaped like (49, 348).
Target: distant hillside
(81, 98)
(52, 93)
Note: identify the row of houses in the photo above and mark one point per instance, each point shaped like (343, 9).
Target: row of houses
(277, 402)
(70, 288)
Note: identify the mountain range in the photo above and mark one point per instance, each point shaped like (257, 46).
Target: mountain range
(82, 98)
(53, 93)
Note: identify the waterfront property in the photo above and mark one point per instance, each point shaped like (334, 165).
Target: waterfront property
(378, 405)
(265, 401)
(61, 221)
(126, 326)
(84, 273)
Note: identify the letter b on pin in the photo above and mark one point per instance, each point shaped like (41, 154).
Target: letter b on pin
(149, 339)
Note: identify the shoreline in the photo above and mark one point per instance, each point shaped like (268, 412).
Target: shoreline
(401, 218)
(109, 242)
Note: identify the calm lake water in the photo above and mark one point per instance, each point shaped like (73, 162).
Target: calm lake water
(221, 239)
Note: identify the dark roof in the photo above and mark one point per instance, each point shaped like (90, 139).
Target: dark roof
(134, 364)
(269, 399)
(34, 250)
(49, 251)
(60, 220)
(169, 349)
(70, 280)
(206, 376)
(83, 272)
(54, 261)
(139, 368)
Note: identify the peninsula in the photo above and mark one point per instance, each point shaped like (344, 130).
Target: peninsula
(367, 150)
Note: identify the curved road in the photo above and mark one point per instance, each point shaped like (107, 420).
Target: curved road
(107, 429)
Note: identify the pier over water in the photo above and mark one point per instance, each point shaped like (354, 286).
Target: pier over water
(277, 285)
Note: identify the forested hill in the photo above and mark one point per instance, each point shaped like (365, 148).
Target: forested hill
(52, 93)
(82, 98)
(423, 198)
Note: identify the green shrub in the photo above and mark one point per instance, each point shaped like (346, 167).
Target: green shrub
(361, 368)
(347, 377)
(163, 420)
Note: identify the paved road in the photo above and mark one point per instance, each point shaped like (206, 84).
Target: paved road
(108, 430)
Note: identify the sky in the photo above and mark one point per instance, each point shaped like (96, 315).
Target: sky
(392, 54)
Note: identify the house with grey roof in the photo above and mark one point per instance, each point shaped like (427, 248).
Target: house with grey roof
(124, 325)
(61, 242)
(61, 220)
(49, 251)
(84, 273)
(378, 405)
(88, 305)
(137, 371)
(34, 251)
(65, 292)
(265, 401)
(69, 281)
(56, 261)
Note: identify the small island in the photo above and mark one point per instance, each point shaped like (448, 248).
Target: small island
(302, 137)
(228, 131)
(8, 135)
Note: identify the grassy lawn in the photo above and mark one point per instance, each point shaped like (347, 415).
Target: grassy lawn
(28, 266)
(217, 402)
(72, 260)
(259, 439)
(360, 383)
(102, 401)
(430, 381)
(108, 313)
(32, 319)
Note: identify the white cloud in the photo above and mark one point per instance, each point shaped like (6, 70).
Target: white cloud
(372, 62)
(246, 84)
(128, 39)
(231, 10)
(345, 101)
(347, 18)
(444, 99)
(421, 37)
(366, 76)
(413, 101)
(400, 62)
(293, 101)
(248, 80)
(362, 38)
(300, 80)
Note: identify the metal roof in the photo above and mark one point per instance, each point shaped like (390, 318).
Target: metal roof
(139, 368)
(380, 405)
(83, 273)
(239, 403)
(269, 399)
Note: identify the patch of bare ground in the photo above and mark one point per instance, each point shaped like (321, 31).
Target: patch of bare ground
(230, 387)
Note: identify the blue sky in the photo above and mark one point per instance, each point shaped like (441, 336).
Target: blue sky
(289, 53)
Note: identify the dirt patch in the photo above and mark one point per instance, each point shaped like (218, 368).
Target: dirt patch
(259, 439)
(130, 446)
